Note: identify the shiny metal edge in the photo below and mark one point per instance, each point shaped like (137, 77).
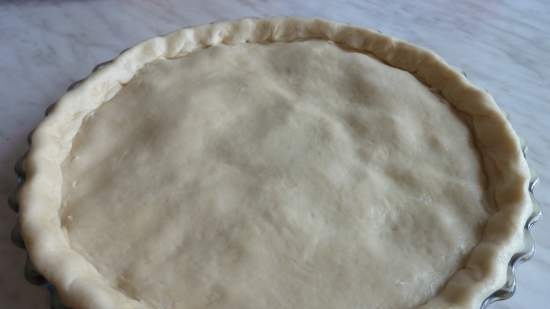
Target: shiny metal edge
(34, 277)
(528, 251)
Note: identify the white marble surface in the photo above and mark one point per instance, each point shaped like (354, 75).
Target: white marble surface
(503, 46)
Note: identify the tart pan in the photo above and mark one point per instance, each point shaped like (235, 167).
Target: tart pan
(505, 292)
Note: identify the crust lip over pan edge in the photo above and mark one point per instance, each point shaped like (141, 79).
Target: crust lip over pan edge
(503, 293)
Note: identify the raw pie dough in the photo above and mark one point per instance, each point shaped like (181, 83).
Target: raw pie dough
(287, 175)
(301, 174)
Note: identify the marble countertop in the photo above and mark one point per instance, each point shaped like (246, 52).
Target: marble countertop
(503, 46)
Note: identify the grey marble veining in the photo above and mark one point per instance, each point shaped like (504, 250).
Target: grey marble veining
(503, 46)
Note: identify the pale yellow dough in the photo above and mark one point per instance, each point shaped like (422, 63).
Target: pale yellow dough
(288, 175)
(279, 163)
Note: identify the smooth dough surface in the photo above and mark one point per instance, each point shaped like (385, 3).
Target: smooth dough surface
(284, 175)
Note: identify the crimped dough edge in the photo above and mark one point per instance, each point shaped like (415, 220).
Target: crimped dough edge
(81, 286)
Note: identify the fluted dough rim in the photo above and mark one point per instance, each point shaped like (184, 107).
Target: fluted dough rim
(82, 287)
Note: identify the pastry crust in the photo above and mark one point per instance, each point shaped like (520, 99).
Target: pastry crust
(82, 286)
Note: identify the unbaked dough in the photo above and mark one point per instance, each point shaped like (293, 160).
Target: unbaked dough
(288, 175)
(304, 169)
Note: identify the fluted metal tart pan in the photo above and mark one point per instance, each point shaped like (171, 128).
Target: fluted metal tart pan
(505, 292)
